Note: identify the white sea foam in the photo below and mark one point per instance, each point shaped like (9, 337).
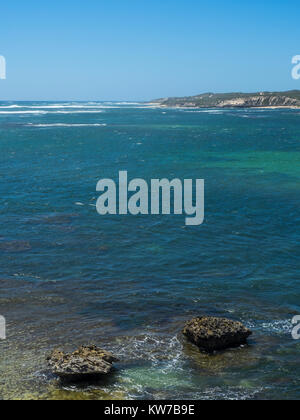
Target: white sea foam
(23, 112)
(51, 112)
(151, 347)
(225, 393)
(54, 106)
(282, 327)
(92, 111)
(84, 106)
(205, 111)
(65, 125)
(11, 106)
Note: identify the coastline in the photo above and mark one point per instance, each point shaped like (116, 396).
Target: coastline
(234, 100)
(158, 105)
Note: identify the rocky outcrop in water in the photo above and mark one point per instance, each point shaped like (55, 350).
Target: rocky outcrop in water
(85, 363)
(211, 334)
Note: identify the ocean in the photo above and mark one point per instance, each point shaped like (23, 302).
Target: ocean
(69, 276)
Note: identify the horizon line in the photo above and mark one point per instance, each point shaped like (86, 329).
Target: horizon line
(146, 100)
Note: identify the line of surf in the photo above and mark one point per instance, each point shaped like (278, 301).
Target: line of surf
(58, 125)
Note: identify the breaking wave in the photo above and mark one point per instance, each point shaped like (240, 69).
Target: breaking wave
(65, 125)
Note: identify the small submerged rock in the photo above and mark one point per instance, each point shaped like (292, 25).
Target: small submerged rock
(86, 362)
(211, 334)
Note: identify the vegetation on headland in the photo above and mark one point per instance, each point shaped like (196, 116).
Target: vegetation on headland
(235, 100)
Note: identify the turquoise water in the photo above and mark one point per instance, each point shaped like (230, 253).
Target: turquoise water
(69, 276)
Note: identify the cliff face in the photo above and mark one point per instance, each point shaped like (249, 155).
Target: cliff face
(235, 100)
(260, 101)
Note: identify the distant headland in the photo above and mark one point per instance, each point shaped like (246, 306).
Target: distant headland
(289, 99)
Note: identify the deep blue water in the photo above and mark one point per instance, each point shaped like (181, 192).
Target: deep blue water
(69, 276)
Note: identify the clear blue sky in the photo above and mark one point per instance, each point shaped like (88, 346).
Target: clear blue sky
(144, 49)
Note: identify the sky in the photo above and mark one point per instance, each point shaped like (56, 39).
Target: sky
(145, 49)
